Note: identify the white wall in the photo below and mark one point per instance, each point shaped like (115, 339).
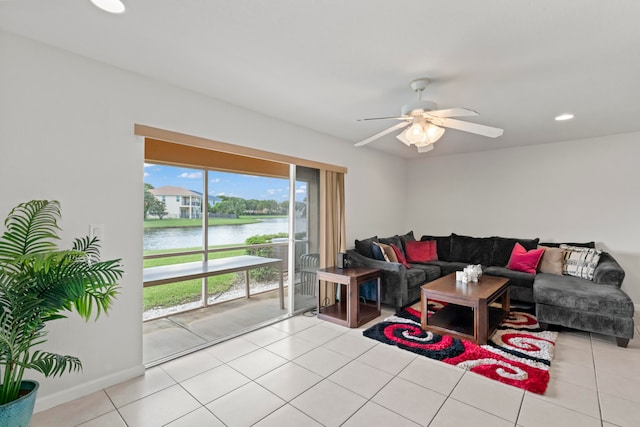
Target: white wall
(583, 190)
(66, 133)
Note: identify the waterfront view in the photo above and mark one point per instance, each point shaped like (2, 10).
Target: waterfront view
(190, 237)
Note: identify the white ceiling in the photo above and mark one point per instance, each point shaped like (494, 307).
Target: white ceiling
(323, 64)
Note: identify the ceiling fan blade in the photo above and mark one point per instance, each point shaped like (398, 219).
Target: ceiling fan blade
(452, 112)
(383, 133)
(384, 118)
(483, 130)
(425, 148)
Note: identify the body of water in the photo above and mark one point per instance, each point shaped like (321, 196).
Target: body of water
(190, 237)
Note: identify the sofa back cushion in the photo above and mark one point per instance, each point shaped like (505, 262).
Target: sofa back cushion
(363, 247)
(443, 246)
(409, 237)
(503, 247)
(393, 240)
(472, 250)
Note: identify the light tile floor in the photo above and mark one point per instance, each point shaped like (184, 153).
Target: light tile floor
(307, 372)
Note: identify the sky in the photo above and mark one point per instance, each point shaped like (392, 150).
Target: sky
(222, 183)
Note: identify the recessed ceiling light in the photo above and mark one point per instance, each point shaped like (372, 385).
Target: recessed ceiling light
(111, 6)
(562, 117)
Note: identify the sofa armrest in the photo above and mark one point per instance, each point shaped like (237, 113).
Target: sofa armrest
(608, 271)
(394, 277)
(359, 260)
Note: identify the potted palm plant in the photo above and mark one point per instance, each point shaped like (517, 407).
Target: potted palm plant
(39, 283)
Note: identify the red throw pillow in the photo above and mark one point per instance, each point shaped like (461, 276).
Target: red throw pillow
(421, 251)
(401, 259)
(524, 261)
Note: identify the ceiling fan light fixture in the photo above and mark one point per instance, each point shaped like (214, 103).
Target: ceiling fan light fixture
(111, 6)
(433, 133)
(416, 134)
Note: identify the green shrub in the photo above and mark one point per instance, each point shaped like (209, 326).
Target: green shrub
(263, 274)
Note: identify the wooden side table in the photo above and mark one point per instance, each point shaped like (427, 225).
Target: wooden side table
(349, 311)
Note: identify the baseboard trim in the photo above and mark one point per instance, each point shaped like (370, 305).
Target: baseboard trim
(86, 389)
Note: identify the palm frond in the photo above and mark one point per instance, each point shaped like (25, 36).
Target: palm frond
(52, 364)
(30, 228)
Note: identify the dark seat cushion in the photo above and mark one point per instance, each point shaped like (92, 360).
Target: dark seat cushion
(415, 277)
(472, 250)
(432, 272)
(580, 294)
(503, 247)
(516, 278)
(448, 267)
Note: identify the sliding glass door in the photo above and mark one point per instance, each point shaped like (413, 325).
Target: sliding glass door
(306, 228)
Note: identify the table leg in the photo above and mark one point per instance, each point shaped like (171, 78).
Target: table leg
(480, 323)
(281, 287)
(353, 295)
(246, 282)
(424, 314)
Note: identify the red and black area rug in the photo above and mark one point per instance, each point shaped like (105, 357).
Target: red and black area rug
(519, 353)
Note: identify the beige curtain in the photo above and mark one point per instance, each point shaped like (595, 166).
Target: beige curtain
(332, 226)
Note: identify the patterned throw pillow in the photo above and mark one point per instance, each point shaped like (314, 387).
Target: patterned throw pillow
(389, 253)
(580, 262)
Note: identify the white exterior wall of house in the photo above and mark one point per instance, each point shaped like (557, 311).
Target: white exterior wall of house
(179, 202)
(67, 120)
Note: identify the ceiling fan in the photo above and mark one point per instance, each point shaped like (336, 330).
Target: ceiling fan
(426, 124)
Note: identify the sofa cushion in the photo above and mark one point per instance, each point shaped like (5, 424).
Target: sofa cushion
(448, 267)
(432, 272)
(443, 246)
(400, 256)
(406, 238)
(416, 277)
(580, 262)
(552, 260)
(524, 260)
(579, 294)
(389, 253)
(393, 240)
(363, 247)
(472, 250)
(503, 246)
(421, 251)
(378, 252)
(516, 278)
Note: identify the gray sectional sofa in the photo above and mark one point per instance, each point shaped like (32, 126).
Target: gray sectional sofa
(597, 305)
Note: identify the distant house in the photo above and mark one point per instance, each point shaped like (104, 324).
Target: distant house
(180, 202)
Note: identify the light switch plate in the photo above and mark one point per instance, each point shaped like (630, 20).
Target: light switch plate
(96, 230)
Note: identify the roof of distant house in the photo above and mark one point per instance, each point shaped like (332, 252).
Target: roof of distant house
(170, 190)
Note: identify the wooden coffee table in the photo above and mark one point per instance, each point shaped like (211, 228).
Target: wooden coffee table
(469, 314)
